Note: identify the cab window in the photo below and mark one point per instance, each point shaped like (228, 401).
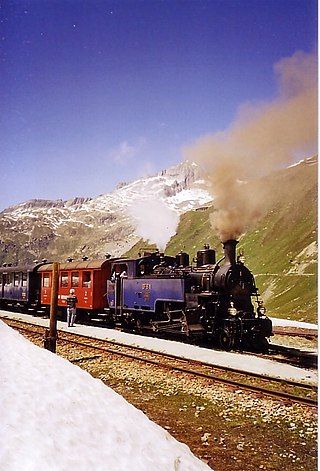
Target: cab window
(119, 270)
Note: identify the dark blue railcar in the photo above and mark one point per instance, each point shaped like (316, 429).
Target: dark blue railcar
(145, 295)
(20, 285)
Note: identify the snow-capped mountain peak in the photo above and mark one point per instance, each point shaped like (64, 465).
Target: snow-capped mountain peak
(111, 222)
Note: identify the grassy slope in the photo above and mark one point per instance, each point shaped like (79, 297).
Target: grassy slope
(287, 278)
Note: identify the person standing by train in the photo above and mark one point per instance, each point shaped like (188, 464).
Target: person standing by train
(71, 308)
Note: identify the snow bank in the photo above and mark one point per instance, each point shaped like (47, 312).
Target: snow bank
(56, 417)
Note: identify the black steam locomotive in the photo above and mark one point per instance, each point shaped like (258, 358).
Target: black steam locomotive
(167, 294)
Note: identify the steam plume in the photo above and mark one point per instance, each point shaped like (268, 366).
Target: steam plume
(154, 221)
(263, 137)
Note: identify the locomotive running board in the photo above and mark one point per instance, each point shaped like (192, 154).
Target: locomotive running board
(166, 326)
(178, 327)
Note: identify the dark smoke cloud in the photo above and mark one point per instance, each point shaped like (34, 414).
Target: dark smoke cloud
(264, 137)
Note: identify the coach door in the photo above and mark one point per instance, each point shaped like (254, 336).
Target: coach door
(1, 285)
(7, 285)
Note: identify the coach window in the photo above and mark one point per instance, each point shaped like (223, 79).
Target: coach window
(24, 279)
(7, 278)
(86, 279)
(46, 280)
(16, 279)
(64, 279)
(75, 279)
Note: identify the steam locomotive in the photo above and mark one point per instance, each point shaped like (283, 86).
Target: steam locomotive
(167, 294)
(153, 292)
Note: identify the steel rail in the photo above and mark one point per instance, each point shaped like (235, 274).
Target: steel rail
(229, 369)
(252, 388)
(312, 359)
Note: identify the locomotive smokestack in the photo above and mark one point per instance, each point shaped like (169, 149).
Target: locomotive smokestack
(229, 247)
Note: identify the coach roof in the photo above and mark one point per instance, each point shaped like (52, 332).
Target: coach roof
(19, 268)
(83, 265)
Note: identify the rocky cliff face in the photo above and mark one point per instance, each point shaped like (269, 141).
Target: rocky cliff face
(39, 229)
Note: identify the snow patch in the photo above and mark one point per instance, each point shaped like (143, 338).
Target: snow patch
(55, 416)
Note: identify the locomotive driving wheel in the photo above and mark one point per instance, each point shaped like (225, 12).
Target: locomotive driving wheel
(226, 339)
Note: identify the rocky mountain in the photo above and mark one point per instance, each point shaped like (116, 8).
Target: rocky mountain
(91, 227)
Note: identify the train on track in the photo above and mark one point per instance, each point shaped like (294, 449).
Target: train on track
(154, 292)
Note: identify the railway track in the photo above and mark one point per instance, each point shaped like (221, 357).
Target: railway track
(282, 354)
(295, 332)
(90, 349)
(293, 356)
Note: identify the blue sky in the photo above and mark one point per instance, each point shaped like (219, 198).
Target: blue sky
(94, 93)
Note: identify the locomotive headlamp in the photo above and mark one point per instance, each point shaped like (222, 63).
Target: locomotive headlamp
(261, 309)
(232, 310)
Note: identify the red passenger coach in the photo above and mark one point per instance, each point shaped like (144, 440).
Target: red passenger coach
(87, 278)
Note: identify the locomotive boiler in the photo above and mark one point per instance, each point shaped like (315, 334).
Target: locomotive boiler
(167, 294)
